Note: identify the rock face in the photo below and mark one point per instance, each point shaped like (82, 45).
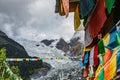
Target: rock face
(73, 48)
(15, 50)
(47, 42)
(62, 45)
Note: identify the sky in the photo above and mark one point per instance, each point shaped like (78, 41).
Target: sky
(34, 20)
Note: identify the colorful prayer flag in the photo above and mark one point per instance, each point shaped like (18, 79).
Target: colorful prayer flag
(101, 47)
(109, 5)
(76, 18)
(85, 7)
(65, 4)
(97, 19)
(91, 58)
(107, 55)
(117, 39)
(107, 71)
(101, 75)
(96, 55)
(118, 61)
(113, 66)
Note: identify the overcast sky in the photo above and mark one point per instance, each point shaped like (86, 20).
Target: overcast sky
(34, 19)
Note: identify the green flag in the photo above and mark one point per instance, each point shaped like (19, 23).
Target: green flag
(101, 74)
(117, 39)
(101, 47)
(109, 5)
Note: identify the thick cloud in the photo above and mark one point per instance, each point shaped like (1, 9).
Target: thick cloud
(33, 19)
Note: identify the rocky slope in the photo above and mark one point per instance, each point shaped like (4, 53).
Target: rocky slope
(15, 50)
(73, 48)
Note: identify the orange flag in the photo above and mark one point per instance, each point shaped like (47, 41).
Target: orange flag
(66, 7)
(107, 55)
(107, 71)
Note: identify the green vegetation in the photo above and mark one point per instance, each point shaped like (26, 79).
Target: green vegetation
(5, 72)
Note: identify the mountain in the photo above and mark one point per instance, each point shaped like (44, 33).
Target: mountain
(15, 50)
(73, 48)
(54, 48)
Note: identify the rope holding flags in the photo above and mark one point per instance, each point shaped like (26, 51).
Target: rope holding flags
(38, 59)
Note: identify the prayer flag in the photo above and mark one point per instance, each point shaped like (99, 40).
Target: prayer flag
(76, 18)
(101, 47)
(85, 7)
(107, 71)
(66, 7)
(109, 5)
(107, 56)
(118, 61)
(96, 55)
(101, 75)
(113, 66)
(97, 19)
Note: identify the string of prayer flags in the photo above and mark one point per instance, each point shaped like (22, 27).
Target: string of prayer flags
(109, 5)
(77, 18)
(97, 19)
(37, 59)
(85, 7)
(65, 4)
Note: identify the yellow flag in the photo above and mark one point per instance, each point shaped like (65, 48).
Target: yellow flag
(113, 66)
(97, 72)
(106, 39)
(76, 18)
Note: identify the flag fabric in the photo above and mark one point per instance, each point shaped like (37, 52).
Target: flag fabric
(96, 55)
(107, 55)
(88, 38)
(97, 72)
(97, 19)
(76, 18)
(106, 39)
(117, 39)
(107, 71)
(91, 58)
(91, 72)
(113, 66)
(86, 57)
(118, 61)
(66, 7)
(85, 7)
(101, 47)
(109, 5)
(101, 75)
(85, 72)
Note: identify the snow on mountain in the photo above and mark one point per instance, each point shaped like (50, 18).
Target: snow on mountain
(44, 51)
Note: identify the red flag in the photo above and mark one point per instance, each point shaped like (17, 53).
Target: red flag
(96, 55)
(98, 19)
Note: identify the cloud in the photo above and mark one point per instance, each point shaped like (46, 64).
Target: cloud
(31, 18)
